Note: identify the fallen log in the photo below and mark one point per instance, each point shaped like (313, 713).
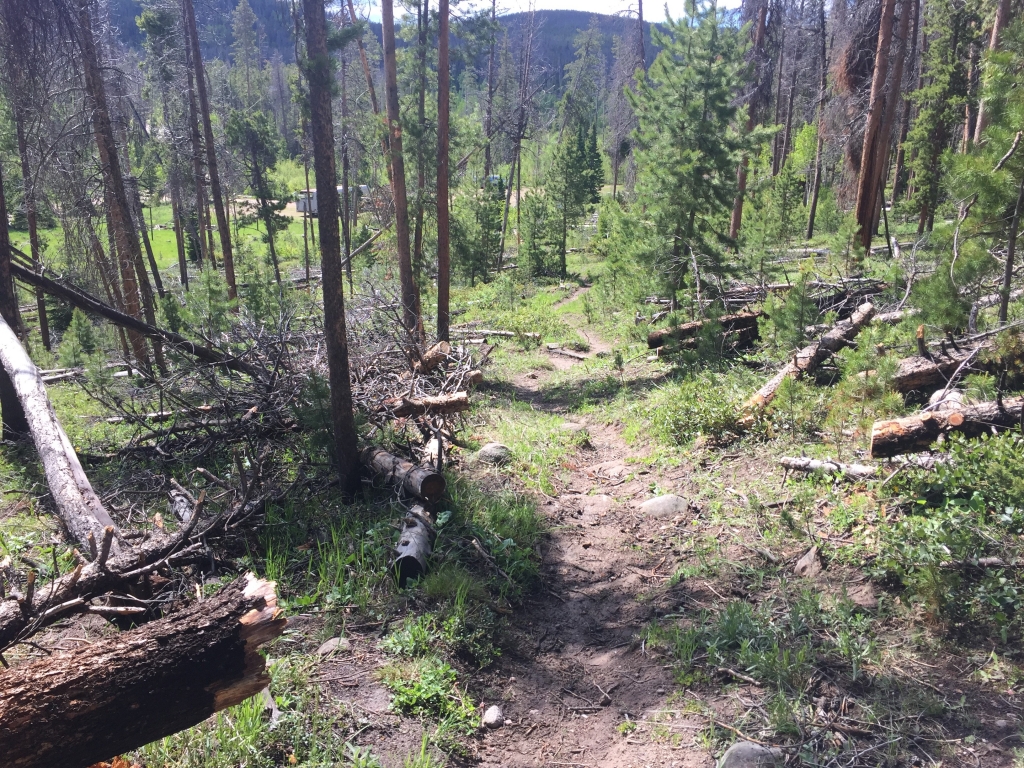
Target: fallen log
(828, 467)
(923, 374)
(807, 360)
(433, 357)
(415, 545)
(422, 482)
(557, 350)
(729, 323)
(476, 332)
(79, 707)
(427, 405)
(912, 434)
(77, 503)
(76, 297)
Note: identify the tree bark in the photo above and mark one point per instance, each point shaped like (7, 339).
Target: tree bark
(422, 482)
(410, 300)
(1011, 251)
(1003, 12)
(77, 503)
(443, 228)
(227, 252)
(320, 78)
(15, 426)
(867, 190)
(808, 359)
(739, 322)
(913, 434)
(820, 148)
(129, 253)
(79, 707)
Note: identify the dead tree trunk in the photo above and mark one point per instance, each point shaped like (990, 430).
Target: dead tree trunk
(14, 424)
(227, 254)
(33, 226)
(1011, 251)
(1003, 11)
(828, 467)
(83, 706)
(741, 174)
(79, 298)
(913, 434)
(871, 155)
(443, 233)
(77, 503)
(808, 359)
(422, 482)
(729, 323)
(415, 545)
(924, 374)
(820, 148)
(433, 405)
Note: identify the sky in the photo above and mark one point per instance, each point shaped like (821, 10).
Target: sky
(653, 9)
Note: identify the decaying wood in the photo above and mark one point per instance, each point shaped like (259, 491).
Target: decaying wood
(415, 545)
(554, 349)
(79, 707)
(729, 323)
(807, 360)
(917, 433)
(433, 357)
(924, 374)
(437, 405)
(828, 467)
(76, 297)
(77, 503)
(478, 332)
(422, 482)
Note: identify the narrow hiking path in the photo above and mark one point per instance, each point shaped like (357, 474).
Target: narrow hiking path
(577, 669)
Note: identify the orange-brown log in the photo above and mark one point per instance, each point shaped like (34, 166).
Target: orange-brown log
(433, 357)
(422, 482)
(912, 434)
(741, 321)
(79, 707)
(428, 405)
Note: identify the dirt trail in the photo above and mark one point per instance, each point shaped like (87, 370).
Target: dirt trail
(577, 670)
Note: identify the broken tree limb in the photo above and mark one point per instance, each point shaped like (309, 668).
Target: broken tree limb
(422, 482)
(729, 323)
(828, 467)
(433, 357)
(79, 707)
(916, 433)
(76, 297)
(807, 360)
(427, 405)
(77, 503)
(415, 545)
(477, 332)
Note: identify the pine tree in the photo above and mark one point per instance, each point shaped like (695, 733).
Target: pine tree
(688, 142)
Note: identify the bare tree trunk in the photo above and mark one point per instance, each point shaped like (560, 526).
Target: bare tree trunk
(110, 285)
(30, 214)
(490, 94)
(912, 434)
(346, 224)
(15, 425)
(179, 235)
(423, 13)
(128, 249)
(410, 300)
(822, 94)
(778, 97)
(741, 174)
(867, 189)
(227, 252)
(199, 176)
(1011, 252)
(881, 164)
(385, 140)
(320, 78)
(157, 679)
(640, 19)
(443, 235)
(1003, 12)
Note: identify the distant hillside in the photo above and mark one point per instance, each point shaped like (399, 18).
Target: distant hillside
(554, 43)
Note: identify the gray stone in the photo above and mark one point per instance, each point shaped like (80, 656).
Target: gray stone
(494, 453)
(746, 754)
(600, 504)
(493, 718)
(665, 507)
(334, 645)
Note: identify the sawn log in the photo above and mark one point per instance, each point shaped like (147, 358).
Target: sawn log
(79, 707)
(828, 467)
(415, 545)
(917, 433)
(807, 360)
(432, 405)
(422, 482)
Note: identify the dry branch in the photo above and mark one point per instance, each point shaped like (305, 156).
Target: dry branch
(807, 360)
(79, 707)
(917, 433)
(828, 467)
